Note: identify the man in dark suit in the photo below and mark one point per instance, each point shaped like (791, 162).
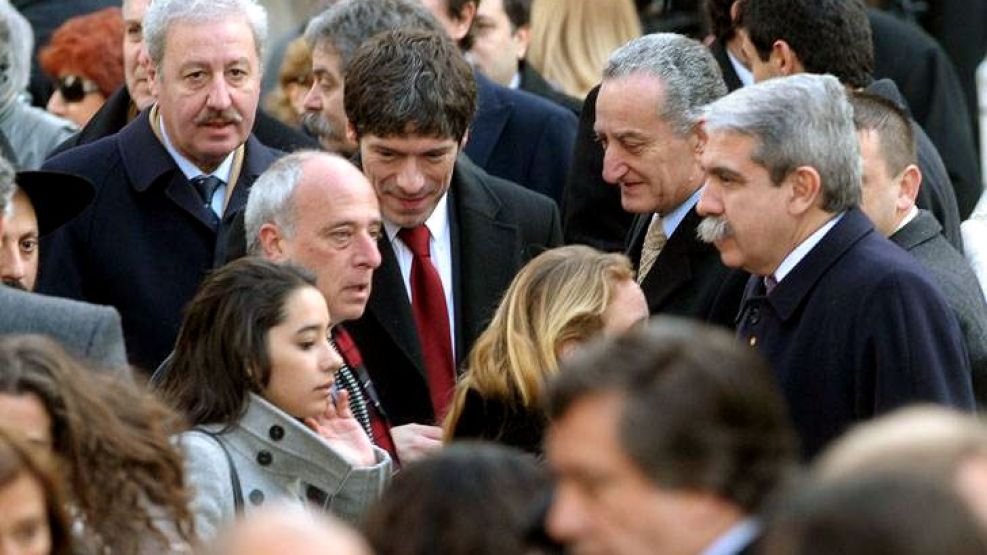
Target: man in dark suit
(646, 120)
(170, 183)
(454, 236)
(890, 185)
(87, 331)
(668, 439)
(852, 325)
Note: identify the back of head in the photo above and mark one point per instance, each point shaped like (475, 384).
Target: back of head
(284, 528)
(469, 498)
(828, 36)
(161, 14)
(111, 438)
(16, 48)
(719, 19)
(699, 410)
(897, 139)
(873, 515)
(221, 353)
(270, 198)
(572, 39)
(800, 120)
(347, 24)
(689, 74)
(410, 81)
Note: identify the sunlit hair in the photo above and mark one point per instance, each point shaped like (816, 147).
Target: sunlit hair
(557, 298)
(571, 40)
(88, 46)
(162, 13)
(112, 441)
(17, 459)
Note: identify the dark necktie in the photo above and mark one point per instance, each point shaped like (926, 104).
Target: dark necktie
(428, 303)
(206, 186)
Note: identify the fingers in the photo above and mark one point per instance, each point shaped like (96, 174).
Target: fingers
(343, 404)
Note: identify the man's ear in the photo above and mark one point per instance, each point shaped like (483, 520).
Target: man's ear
(351, 133)
(271, 243)
(784, 59)
(698, 138)
(909, 181)
(522, 38)
(462, 22)
(806, 190)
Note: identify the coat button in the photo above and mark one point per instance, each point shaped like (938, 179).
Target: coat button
(276, 433)
(753, 341)
(754, 316)
(257, 497)
(264, 458)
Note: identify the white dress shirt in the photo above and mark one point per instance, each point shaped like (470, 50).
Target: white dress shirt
(192, 171)
(736, 539)
(804, 248)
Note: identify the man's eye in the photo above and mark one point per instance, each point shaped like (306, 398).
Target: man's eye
(29, 245)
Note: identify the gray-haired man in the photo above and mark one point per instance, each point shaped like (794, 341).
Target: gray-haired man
(653, 88)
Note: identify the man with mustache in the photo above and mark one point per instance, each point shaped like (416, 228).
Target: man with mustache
(653, 88)
(171, 182)
(852, 325)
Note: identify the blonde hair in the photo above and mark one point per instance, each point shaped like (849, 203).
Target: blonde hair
(296, 68)
(558, 297)
(571, 40)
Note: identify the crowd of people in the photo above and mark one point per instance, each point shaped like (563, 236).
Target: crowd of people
(491, 276)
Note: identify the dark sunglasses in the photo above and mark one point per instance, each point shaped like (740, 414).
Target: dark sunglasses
(75, 88)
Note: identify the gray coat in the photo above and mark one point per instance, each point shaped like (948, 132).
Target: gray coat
(276, 458)
(923, 239)
(85, 330)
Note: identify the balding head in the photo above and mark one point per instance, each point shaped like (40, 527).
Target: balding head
(289, 529)
(318, 210)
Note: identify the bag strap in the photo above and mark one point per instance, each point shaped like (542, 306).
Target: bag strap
(234, 476)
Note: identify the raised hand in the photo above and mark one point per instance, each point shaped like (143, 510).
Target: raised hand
(338, 428)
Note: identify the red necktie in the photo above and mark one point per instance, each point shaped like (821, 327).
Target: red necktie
(428, 303)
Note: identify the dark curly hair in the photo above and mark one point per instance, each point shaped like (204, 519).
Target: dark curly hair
(112, 441)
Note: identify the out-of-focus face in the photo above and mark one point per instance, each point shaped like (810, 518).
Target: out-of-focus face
(24, 528)
(627, 309)
(880, 191)
(325, 115)
(207, 88)
(27, 415)
(19, 245)
(758, 231)
(134, 58)
(303, 363)
(762, 70)
(410, 174)
(78, 111)
(603, 503)
(497, 47)
(655, 168)
(336, 227)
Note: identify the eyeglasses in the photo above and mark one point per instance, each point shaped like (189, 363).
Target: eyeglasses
(75, 88)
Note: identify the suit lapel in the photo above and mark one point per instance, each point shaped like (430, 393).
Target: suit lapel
(389, 304)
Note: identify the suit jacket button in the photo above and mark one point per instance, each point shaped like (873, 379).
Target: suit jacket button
(753, 341)
(276, 433)
(264, 458)
(257, 497)
(754, 316)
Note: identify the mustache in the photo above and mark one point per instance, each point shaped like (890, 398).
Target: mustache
(319, 126)
(15, 284)
(714, 228)
(218, 117)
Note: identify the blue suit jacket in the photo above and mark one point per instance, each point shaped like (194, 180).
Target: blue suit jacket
(521, 137)
(144, 244)
(856, 329)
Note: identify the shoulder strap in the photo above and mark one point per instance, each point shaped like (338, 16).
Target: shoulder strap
(234, 476)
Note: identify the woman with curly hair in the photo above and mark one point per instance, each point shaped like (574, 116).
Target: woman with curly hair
(562, 298)
(125, 480)
(32, 509)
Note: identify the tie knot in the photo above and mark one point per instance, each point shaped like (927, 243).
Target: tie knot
(416, 238)
(206, 185)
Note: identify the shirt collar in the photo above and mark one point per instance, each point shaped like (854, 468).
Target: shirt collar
(797, 254)
(735, 539)
(670, 222)
(912, 214)
(437, 223)
(188, 167)
(745, 75)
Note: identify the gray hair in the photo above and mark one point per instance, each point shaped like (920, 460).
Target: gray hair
(801, 120)
(346, 25)
(16, 46)
(688, 71)
(162, 13)
(7, 186)
(270, 199)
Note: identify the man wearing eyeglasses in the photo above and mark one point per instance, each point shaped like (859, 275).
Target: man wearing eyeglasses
(172, 181)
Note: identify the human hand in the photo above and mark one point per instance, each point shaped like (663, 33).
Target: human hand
(415, 441)
(340, 430)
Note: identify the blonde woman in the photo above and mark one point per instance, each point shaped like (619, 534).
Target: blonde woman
(571, 40)
(560, 299)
